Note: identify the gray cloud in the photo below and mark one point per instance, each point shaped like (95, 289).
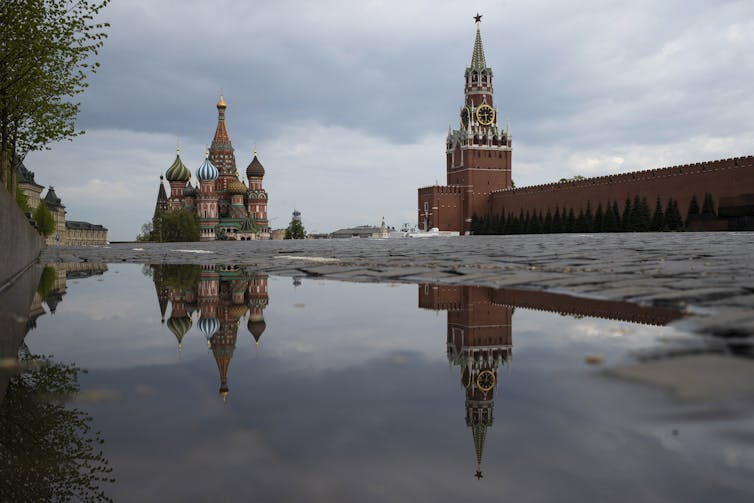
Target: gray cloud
(650, 83)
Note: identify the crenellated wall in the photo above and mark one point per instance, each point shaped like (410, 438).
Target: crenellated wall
(721, 178)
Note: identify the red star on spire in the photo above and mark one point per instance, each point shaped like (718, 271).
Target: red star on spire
(478, 18)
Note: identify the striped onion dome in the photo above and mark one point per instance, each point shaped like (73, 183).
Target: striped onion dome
(207, 171)
(208, 326)
(178, 172)
(237, 187)
(179, 326)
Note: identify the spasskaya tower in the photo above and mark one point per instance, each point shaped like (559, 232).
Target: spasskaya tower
(478, 154)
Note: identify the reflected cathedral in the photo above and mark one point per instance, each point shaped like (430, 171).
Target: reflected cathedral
(220, 295)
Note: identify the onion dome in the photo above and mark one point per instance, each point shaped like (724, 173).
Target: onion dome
(255, 168)
(237, 187)
(256, 328)
(179, 326)
(178, 172)
(208, 326)
(207, 171)
(189, 190)
(237, 310)
(221, 103)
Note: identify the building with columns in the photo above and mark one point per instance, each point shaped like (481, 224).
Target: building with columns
(227, 208)
(67, 232)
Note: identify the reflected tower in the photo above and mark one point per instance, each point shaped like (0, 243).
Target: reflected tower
(479, 342)
(257, 302)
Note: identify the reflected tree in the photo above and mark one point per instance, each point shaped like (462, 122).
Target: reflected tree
(48, 451)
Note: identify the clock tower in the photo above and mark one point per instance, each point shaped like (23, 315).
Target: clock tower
(478, 154)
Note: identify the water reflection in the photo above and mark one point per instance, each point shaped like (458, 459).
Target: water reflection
(221, 296)
(48, 450)
(353, 386)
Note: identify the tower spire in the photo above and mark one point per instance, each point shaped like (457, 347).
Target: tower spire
(478, 62)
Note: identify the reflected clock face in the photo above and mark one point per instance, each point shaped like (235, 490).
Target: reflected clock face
(485, 380)
(485, 114)
(465, 116)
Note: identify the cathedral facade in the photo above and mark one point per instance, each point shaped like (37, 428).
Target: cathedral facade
(226, 207)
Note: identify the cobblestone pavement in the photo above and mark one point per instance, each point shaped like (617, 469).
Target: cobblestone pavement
(707, 272)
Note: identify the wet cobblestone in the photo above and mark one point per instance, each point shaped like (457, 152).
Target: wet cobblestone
(679, 270)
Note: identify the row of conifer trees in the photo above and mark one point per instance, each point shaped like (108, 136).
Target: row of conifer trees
(635, 217)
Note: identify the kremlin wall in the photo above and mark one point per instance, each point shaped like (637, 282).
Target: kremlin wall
(724, 179)
(479, 169)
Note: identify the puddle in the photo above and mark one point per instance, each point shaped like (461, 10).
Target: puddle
(218, 383)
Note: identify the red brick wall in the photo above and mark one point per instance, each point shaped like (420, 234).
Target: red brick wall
(444, 204)
(722, 178)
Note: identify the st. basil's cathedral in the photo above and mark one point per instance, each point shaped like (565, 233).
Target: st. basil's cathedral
(226, 207)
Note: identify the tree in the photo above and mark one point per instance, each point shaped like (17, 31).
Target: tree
(557, 222)
(599, 217)
(50, 451)
(295, 230)
(693, 209)
(44, 219)
(46, 53)
(146, 232)
(626, 221)
(708, 207)
(673, 218)
(658, 219)
(22, 201)
(178, 225)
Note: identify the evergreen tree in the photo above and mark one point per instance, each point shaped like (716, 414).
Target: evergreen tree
(547, 224)
(644, 216)
(570, 223)
(673, 218)
(588, 218)
(295, 230)
(708, 207)
(557, 222)
(599, 216)
(635, 225)
(580, 222)
(625, 221)
(515, 227)
(658, 219)
(535, 224)
(693, 209)
(521, 226)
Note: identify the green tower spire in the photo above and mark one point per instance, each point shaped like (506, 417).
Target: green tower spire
(478, 62)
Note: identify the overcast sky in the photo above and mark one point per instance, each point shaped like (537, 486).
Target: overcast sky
(348, 103)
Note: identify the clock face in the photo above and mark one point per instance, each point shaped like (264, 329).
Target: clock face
(485, 380)
(465, 116)
(485, 114)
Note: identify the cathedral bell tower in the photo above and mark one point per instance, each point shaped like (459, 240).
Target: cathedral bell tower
(478, 152)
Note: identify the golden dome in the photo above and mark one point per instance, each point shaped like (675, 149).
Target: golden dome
(221, 103)
(237, 187)
(237, 310)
